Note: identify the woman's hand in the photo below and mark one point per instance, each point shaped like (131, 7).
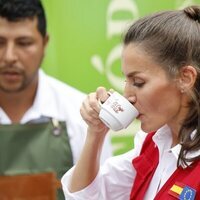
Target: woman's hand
(87, 167)
(90, 111)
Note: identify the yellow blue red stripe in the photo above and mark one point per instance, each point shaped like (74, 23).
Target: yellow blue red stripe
(182, 192)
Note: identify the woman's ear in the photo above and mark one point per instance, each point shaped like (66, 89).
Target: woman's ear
(187, 78)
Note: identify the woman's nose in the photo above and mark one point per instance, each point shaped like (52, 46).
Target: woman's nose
(130, 93)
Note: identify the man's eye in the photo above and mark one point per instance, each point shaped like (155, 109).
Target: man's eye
(2, 43)
(24, 43)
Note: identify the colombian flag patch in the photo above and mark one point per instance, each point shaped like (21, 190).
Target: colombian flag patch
(182, 192)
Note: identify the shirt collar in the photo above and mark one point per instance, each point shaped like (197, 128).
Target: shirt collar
(44, 103)
(163, 139)
(44, 97)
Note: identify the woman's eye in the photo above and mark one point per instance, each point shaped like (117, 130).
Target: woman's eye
(138, 84)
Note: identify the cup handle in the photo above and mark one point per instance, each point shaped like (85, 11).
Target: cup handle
(101, 102)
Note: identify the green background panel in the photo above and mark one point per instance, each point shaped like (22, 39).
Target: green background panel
(85, 43)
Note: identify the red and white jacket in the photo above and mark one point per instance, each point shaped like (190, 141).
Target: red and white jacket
(187, 180)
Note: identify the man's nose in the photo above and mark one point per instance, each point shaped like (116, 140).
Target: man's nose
(10, 55)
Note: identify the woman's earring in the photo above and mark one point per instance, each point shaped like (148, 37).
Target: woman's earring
(182, 90)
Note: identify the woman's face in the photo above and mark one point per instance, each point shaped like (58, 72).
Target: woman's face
(154, 94)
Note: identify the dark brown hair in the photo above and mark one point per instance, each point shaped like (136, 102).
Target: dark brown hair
(172, 38)
(15, 10)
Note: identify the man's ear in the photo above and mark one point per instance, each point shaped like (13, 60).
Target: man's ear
(187, 78)
(46, 40)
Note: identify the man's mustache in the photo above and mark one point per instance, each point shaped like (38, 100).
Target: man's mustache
(10, 69)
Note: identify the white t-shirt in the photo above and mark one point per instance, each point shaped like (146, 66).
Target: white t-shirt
(60, 101)
(115, 178)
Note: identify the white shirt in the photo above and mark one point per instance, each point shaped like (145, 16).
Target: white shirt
(60, 101)
(115, 178)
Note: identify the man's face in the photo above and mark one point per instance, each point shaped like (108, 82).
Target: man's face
(21, 52)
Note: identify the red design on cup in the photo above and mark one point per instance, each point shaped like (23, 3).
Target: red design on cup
(117, 107)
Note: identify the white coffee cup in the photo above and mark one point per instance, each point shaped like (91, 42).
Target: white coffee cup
(117, 112)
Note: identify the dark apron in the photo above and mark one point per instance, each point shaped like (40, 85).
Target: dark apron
(35, 148)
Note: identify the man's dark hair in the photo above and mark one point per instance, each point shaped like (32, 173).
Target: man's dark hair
(16, 10)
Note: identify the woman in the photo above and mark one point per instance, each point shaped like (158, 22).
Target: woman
(161, 62)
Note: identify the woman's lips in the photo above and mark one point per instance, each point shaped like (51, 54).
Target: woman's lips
(139, 116)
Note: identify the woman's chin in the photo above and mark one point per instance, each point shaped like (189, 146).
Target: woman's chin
(148, 129)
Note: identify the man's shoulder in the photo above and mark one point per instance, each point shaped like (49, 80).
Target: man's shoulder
(58, 86)
(58, 99)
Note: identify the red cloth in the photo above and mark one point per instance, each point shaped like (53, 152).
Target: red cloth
(145, 165)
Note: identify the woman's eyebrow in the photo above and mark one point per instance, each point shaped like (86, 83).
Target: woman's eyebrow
(132, 74)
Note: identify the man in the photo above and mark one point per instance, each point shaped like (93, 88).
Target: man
(41, 129)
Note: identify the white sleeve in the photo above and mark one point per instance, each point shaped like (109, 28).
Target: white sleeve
(107, 149)
(114, 180)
